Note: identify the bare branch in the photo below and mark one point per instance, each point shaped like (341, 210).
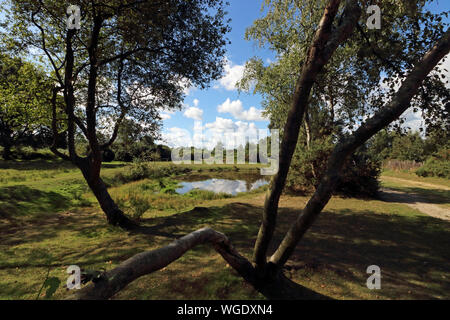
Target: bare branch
(151, 261)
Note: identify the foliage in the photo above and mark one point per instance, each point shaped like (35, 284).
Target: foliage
(24, 91)
(437, 165)
(349, 87)
(148, 52)
(407, 146)
(358, 178)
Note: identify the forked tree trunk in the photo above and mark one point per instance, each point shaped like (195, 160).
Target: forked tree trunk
(326, 40)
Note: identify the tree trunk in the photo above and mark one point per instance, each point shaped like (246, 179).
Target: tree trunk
(114, 215)
(325, 42)
(400, 102)
(7, 151)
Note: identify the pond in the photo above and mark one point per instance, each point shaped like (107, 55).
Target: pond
(232, 187)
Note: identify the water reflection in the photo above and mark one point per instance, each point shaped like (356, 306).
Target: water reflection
(232, 187)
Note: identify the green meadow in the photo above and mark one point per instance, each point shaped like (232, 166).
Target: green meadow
(49, 220)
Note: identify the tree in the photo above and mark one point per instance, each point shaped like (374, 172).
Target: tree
(334, 109)
(24, 90)
(129, 58)
(336, 27)
(409, 146)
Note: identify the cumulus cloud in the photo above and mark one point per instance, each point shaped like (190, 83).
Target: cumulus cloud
(413, 120)
(229, 133)
(237, 110)
(196, 102)
(177, 137)
(194, 113)
(165, 116)
(233, 73)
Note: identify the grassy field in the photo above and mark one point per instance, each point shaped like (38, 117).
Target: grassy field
(49, 220)
(435, 190)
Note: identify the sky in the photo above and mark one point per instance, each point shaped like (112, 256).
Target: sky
(208, 113)
(221, 107)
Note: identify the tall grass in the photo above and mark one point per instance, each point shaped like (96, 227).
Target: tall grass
(152, 196)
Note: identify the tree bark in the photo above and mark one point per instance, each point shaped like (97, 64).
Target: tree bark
(325, 42)
(151, 261)
(272, 284)
(114, 215)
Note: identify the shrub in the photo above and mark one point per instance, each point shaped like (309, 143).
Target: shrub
(359, 177)
(142, 170)
(436, 166)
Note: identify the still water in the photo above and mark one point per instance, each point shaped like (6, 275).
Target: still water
(232, 187)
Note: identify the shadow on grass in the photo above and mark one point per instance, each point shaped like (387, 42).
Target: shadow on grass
(412, 251)
(36, 164)
(114, 165)
(21, 200)
(413, 194)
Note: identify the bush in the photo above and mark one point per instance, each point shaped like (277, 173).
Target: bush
(142, 170)
(359, 177)
(436, 166)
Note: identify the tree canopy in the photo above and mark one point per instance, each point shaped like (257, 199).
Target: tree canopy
(24, 100)
(128, 59)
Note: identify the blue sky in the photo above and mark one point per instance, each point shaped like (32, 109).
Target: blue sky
(221, 107)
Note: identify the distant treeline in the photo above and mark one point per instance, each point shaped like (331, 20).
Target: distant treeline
(427, 156)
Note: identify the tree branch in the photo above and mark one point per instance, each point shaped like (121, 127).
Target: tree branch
(324, 43)
(151, 261)
(399, 104)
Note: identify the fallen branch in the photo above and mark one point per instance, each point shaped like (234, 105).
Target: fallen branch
(151, 261)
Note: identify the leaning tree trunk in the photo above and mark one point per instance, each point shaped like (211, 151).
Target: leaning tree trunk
(144, 263)
(114, 215)
(326, 40)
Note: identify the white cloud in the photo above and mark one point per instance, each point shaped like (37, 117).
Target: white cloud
(194, 113)
(196, 102)
(237, 110)
(165, 116)
(231, 134)
(177, 137)
(233, 73)
(446, 65)
(413, 120)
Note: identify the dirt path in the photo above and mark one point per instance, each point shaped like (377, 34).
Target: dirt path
(415, 200)
(416, 183)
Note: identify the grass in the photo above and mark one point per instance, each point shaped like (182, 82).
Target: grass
(410, 175)
(434, 190)
(49, 229)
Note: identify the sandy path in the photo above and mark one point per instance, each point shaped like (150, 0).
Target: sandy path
(414, 200)
(416, 183)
